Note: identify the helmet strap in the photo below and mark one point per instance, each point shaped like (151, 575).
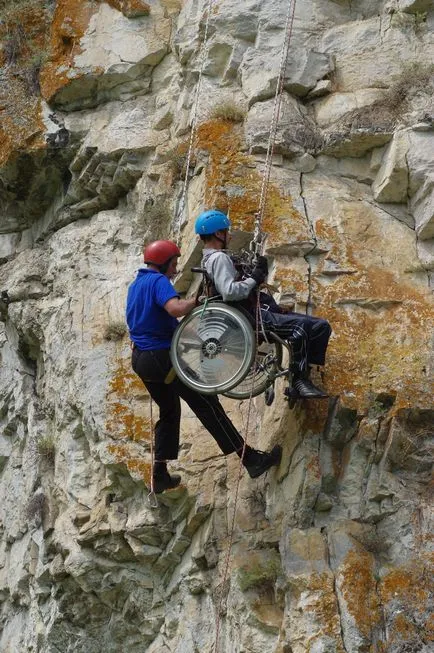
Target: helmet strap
(222, 240)
(164, 266)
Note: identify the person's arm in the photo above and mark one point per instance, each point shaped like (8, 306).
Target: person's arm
(167, 297)
(222, 272)
(177, 307)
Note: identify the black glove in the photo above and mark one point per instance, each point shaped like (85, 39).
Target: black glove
(258, 275)
(260, 271)
(262, 264)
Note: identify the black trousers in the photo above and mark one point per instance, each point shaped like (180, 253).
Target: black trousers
(153, 367)
(308, 336)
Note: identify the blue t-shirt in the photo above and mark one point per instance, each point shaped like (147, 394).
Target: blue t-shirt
(150, 325)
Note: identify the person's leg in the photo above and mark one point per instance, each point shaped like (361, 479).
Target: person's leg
(318, 341)
(295, 328)
(309, 338)
(210, 412)
(152, 367)
(167, 427)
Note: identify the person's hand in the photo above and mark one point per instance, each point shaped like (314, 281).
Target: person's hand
(262, 264)
(260, 271)
(258, 275)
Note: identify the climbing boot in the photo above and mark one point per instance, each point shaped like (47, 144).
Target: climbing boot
(163, 480)
(258, 462)
(305, 389)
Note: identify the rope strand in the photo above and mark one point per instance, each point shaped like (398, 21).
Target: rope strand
(240, 470)
(152, 497)
(257, 237)
(178, 220)
(256, 247)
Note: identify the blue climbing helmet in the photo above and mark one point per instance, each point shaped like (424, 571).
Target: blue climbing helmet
(211, 221)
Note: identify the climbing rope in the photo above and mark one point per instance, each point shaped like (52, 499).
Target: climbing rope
(237, 486)
(202, 55)
(152, 497)
(256, 245)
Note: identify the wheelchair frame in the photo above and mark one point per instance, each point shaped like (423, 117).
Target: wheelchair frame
(270, 367)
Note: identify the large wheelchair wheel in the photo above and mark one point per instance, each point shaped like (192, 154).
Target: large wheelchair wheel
(213, 348)
(265, 367)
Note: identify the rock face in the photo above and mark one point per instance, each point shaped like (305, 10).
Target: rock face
(331, 551)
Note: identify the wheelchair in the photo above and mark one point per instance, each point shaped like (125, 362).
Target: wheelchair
(215, 350)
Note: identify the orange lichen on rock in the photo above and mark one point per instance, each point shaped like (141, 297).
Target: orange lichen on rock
(409, 589)
(409, 584)
(23, 33)
(291, 281)
(138, 467)
(71, 18)
(381, 327)
(323, 605)
(130, 8)
(359, 589)
(314, 419)
(123, 419)
(233, 184)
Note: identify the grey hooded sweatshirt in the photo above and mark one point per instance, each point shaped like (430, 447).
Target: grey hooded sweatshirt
(222, 272)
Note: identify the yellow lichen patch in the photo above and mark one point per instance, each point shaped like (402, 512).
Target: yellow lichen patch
(410, 587)
(23, 33)
(138, 467)
(233, 184)
(323, 605)
(403, 627)
(71, 18)
(127, 417)
(358, 588)
(130, 8)
(409, 584)
(381, 326)
(340, 249)
(315, 416)
(25, 130)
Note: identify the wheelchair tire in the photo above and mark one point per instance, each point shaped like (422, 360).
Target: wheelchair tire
(268, 363)
(213, 348)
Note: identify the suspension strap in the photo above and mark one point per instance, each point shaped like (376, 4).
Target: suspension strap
(178, 219)
(256, 245)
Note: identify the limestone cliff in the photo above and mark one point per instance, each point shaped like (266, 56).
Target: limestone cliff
(331, 552)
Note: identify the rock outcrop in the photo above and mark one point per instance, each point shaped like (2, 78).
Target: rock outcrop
(330, 552)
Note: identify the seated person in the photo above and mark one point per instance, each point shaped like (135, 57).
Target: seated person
(308, 335)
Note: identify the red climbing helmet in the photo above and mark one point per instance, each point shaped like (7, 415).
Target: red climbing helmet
(160, 252)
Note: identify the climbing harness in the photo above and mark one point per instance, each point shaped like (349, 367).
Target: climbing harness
(178, 220)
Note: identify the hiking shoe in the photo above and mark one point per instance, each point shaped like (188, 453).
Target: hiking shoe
(306, 389)
(164, 481)
(258, 462)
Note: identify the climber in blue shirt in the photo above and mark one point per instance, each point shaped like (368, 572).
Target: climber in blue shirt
(153, 306)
